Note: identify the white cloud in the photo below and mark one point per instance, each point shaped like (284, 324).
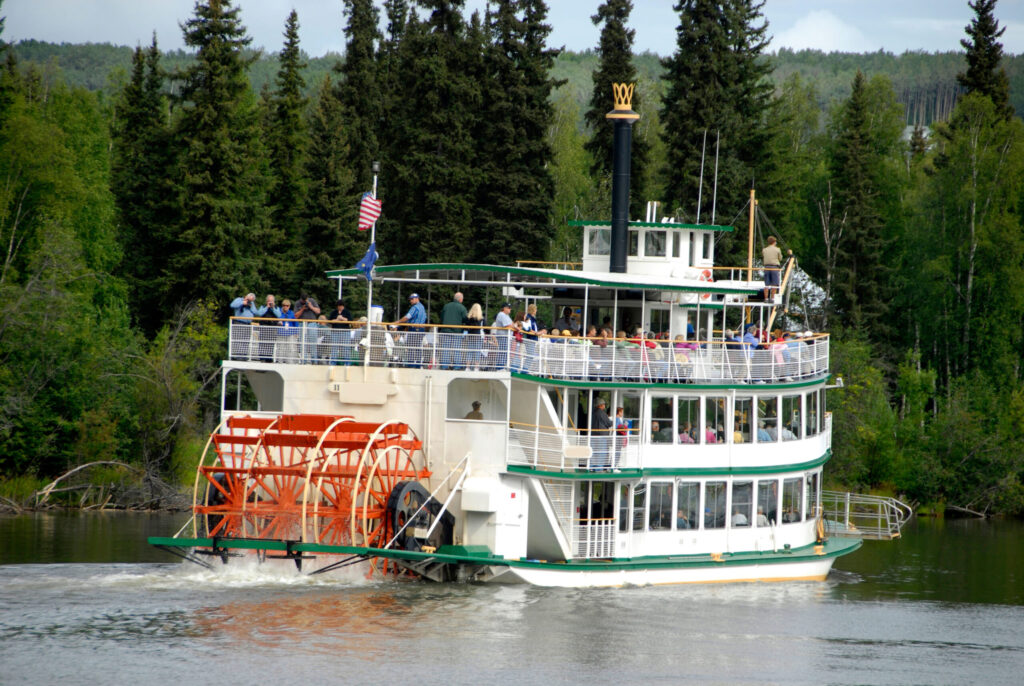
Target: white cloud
(822, 30)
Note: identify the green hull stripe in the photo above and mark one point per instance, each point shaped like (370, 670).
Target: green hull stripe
(834, 547)
(580, 474)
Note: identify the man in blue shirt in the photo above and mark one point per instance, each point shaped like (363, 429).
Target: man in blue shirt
(415, 317)
(245, 307)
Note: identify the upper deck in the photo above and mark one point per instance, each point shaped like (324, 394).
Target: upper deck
(569, 359)
(685, 324)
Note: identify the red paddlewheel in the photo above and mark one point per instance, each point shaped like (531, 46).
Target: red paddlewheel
(315, 478)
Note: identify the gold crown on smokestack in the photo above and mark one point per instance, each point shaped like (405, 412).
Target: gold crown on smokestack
(623, 94)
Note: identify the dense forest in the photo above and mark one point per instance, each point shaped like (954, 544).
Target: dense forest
(142, 190)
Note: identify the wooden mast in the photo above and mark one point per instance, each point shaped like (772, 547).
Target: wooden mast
(750, 239)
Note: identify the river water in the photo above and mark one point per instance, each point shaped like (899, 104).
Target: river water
(83, 600)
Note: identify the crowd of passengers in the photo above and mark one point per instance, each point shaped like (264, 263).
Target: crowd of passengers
(466, 342)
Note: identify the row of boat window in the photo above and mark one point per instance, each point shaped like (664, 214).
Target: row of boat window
(705, 505)
(684, 419)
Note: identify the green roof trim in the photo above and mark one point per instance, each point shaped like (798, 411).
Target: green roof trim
(560, 277)
(656, 225)
(629, 474)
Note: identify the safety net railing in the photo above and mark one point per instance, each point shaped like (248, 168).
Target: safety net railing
(558, 357)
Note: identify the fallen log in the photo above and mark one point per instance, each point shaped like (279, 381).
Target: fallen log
(42, 495)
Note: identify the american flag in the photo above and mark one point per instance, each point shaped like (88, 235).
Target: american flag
(369, 210)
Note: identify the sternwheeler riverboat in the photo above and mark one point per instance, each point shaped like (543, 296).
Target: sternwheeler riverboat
(679, 454)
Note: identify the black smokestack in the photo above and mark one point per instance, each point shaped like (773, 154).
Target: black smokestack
(623, 116)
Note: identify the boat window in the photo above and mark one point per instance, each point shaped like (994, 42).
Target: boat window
(790, 417)
(768, 502)
(812, 495)
(659, 320)
(742, 417)
(661, 506)
(661, 420)
(600, 242)
(654, 243)
(463, 394)
(708, 244)
(714, 505)
(714, 419)
(768, 419)
(630, 404)
(677, 242)
(624, 508)
(742, 503)
(639, 503)
(692, 242)
(792, 500)
(688, 419)
(634, 243)
(811, 424)
(687, 504)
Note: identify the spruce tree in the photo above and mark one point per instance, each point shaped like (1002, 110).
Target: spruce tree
(429, 171)
(357, 89)
(516, 190)
(217, 253)
(984, 73)
(142, 176)
(616, 66)
(288, 184)
(862, 274)
(331, 239)
(716, 81)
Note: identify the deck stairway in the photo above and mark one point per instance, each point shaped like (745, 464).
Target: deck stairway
(864, 516)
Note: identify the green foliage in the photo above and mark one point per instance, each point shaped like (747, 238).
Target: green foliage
(515, 185)
(863, 429)
(287, 143)
(220, 191)
(170, 380)
(866, 132)
(717, 85)
(142, 173)
(984, 75)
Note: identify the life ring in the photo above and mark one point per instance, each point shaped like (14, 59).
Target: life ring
(705, 275)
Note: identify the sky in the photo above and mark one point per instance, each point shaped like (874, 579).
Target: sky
(828, 25)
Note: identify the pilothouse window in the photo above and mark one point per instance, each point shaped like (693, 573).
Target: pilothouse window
(654, 244)
(600, 242)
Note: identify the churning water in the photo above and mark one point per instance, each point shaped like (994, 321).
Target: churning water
(83, 601)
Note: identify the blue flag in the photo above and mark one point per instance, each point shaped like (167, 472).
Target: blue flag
(369, 259)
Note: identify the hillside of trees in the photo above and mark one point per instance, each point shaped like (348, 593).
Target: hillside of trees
(924, 82)
(143, 190)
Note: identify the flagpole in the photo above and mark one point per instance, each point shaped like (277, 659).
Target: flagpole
(369, 280)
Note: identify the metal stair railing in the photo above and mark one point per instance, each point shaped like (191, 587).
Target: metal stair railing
(864, 516)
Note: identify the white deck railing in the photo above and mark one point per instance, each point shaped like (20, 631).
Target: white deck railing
(593, 538)
(308, 342)
(548, 448)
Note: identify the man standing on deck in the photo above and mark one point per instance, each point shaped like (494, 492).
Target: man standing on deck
(772, 257)
(453, 317)
(600, 435)
(502, 321)
(416, 317)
